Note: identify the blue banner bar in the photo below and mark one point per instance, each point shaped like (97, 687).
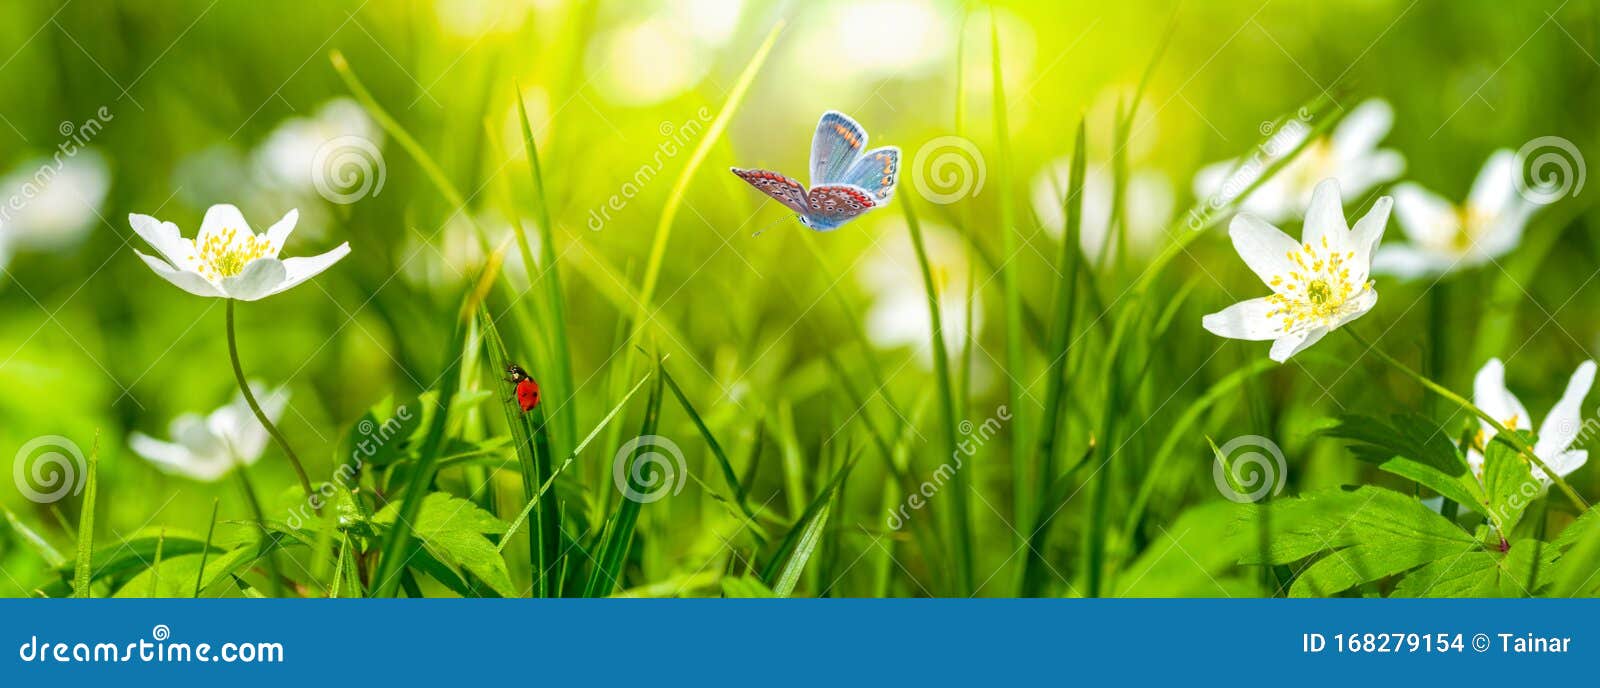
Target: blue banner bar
(791, 642)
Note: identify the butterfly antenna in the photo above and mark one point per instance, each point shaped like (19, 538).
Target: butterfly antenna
(779, 222)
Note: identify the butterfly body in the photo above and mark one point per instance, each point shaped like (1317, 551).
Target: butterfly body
(847, 180)
(527, 390)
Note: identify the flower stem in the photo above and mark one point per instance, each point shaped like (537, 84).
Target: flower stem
(250, 398)
(1515, 439)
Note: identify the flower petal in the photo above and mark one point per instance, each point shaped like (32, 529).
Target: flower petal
(1244, 320)
(1325, 216)
(1363, 128)
(1367, 233)
(259, 278)
(164, 237)
(279, 232)
(219, 217)
(1425, 217)
(1563, 464)
(301, 269)
(175, 458)
(1564, 422)
(1490, 394)
(1495, 188)
(188, 281)
(1263, 247)
(1291, 344)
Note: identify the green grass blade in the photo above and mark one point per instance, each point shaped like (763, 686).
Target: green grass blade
(398, 542)
(51, 556)
(550, 279)
(1021, 467)
(531, 439)
(211, 530)
(523, 516)
(607, 573)
(1066, 300)
(791, 540)
(802, 553)
(728, 474)
(961, 518)
(82, 572)
(680, 188)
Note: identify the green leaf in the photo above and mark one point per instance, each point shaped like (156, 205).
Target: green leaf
(84, 571)
(42, 547)
(1194, 557)
(1410, 446)
(1476, 574)
(454, 530)
(1575, 573)
(1508, 483)
(802, 553)
(1366, 534)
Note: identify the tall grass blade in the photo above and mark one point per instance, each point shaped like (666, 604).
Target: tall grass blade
(961, 518)
(607, 573)
(728, 474)
(85, 565)
(398, 542)
(1022, 470)
(531, 439)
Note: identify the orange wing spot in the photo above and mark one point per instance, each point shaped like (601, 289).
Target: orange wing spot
(886, 179)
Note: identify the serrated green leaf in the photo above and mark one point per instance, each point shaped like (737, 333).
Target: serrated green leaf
(1476, 574)
(1508, 483)
(454, 530)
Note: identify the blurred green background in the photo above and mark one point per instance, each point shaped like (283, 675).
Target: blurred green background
(229, 102)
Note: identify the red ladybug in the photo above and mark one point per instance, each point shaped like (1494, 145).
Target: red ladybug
(527, 389)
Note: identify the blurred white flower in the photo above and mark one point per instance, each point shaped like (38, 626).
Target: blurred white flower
(1148, 205)
(1350, 155)
(1556, 435)
(205, 448)
(899, 313)
(288, 157)
(228, 259)
(47, 205)
(1318, 285)
(1447, 237)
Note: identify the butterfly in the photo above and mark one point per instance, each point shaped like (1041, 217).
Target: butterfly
(847, 180)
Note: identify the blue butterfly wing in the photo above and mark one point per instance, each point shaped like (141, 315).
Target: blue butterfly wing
(837, 145)
(828, 207)
(782, 189)
(877, 172)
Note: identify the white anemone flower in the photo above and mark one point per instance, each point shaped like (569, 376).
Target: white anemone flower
(227, 259)
(205, 448)
(302, 152)
(899, 313)
(1350, 154)
(1317, 285)
(1444, 236)
(1560, 429)
(1147, 205)
(47, 205)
